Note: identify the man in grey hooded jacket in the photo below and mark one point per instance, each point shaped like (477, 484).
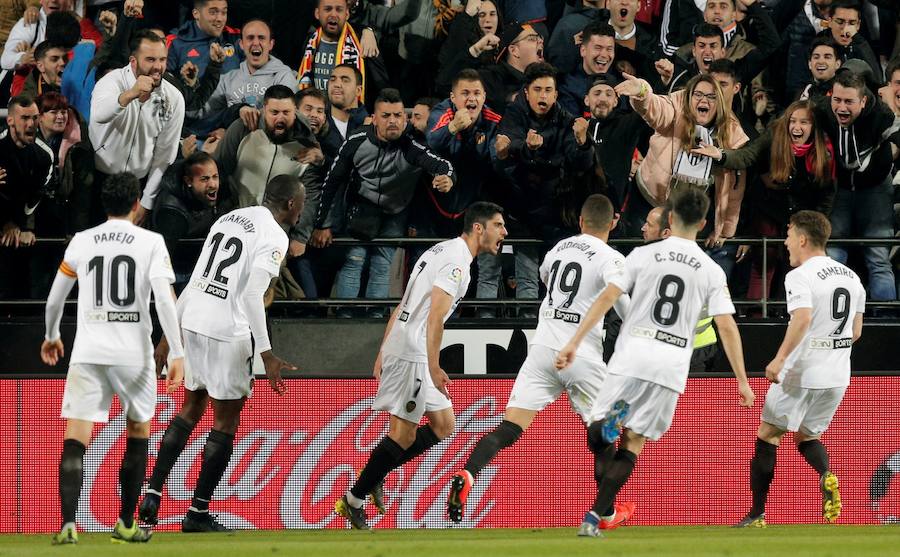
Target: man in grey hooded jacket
(240, 92)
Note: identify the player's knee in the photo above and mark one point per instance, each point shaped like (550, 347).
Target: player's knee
(444, 428)
(138, 430)
(595, 437)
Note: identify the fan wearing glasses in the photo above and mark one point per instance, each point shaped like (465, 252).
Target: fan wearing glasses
(699, 113)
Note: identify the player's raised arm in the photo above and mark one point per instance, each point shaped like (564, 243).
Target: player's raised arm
(599, 308)
(440, 305)
(52, 348)
(734, 349)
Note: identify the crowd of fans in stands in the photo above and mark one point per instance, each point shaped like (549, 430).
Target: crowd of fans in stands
(397, 115)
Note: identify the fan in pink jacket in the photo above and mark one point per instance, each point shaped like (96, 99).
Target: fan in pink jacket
(682, 120)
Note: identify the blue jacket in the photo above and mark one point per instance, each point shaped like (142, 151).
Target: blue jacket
(471, 152)
(79, 78)
(190, 43)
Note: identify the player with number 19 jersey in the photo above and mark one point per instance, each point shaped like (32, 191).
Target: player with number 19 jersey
(670, 283)
(212, 304)
(576, 270)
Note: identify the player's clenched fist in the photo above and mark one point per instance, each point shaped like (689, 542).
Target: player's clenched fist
(566, 356)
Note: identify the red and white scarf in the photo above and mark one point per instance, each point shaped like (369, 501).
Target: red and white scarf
(349, 51)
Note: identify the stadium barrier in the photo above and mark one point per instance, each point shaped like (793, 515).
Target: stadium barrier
(296, 454)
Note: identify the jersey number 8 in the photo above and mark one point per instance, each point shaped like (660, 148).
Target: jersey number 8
(668, 297)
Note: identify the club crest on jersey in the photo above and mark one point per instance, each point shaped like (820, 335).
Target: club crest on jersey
(229, 50)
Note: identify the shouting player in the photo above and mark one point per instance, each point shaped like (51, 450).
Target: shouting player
(811, 370)
(411, 382)
(671, 281)
(575, 271)
(224, 324)
(116, 265)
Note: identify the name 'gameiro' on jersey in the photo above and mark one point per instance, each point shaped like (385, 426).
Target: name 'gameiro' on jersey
(835, 295)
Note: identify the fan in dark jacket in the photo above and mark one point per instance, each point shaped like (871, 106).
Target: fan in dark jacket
(190, 200)
(462, 130)
(380, 165)
(537, 144)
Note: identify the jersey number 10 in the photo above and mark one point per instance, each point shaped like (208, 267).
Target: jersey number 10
(121, 280)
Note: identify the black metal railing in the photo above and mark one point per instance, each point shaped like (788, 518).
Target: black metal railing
(764, 302)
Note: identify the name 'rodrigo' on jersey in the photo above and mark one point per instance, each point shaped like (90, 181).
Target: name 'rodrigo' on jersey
(576, 270)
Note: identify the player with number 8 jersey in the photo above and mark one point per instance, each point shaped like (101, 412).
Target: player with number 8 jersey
(670, 282)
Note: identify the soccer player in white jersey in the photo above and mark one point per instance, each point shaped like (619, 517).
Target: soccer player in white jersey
(411, 382)
(811, 370)
(116, 265)
(223, 321)
(575, 271)
(670, 281)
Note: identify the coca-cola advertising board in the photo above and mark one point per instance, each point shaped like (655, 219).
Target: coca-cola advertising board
(294, 455)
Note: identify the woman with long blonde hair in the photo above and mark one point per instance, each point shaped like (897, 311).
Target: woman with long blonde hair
(698, 114)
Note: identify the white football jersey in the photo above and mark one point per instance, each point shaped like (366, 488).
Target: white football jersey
(114, 264)
(835, 295)
(672, 281)
(575, 271)
(446, 266)
(238, 242)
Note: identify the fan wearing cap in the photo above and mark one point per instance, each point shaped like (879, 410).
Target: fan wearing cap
(598, 53)
(520, 45)
(617, 136)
